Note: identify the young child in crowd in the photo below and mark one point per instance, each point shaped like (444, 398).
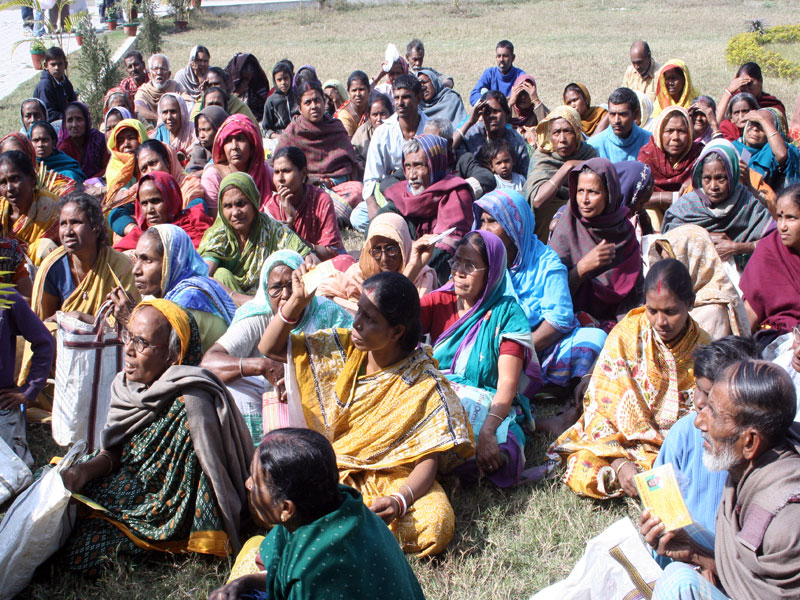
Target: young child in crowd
(54, 87)
(496, 156)
(281, 104)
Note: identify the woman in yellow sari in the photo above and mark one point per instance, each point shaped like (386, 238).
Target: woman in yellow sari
(674, 86)
(391, 416)
(80, 274)
(593, 118)
(641, 385)
(27, 213)
(123, 143)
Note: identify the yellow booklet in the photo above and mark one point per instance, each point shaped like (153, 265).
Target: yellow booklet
(317, 275)
(659, 491)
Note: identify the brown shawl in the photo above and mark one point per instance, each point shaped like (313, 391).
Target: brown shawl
(326, 145)
(219, 434)
(758, 526)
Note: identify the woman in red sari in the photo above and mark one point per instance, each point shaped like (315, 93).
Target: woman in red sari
(159, 200)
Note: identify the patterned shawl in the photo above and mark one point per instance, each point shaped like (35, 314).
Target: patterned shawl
(194, 221)
(763, 159)
(663, 99)
(322, 313)
(445, 103)
(39, 223)
(640, 388)
(606, 292)
(221, 244)
(742, 217)
(184, 276)
(326, 145)
(184, 139)
(669, 177)
(234, 125)
(94, 156)
(122, 166)
(634, 176)
(535, 267)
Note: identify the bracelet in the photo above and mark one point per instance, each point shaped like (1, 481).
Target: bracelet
(401, 501)
(410, 491)
(496, 416)
(241, 373)
(730, 93)
(773, 133)
(110, 461)
(675, 196)
(284, 319)
(555, 187)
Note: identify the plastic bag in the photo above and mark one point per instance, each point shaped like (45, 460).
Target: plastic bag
(15, 475)
(88, 357)
(36, 526)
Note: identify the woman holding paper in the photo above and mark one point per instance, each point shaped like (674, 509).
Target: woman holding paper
(642, 384)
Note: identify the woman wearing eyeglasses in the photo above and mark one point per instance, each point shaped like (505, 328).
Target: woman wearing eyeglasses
(483, 343)
(235, 357)
(388, 247)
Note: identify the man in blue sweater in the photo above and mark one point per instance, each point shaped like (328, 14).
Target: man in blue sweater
(624, 138)
(501, 77)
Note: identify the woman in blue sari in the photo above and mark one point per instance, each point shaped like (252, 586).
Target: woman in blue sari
(566, 350)
(45, 139)
(167, 266)
(482, 341)
(764, 138)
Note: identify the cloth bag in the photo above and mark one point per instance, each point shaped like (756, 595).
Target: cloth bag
(36, 526)
(616, 565)
(88, 357)
(15, 475)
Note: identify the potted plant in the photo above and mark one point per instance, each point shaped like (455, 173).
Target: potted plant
(112, 15)
(180, 11)
(37, 53)
(130, 28)
(79, 27)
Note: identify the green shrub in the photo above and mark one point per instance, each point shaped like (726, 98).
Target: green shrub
(149, 41)
(97, 70)
(749, 47)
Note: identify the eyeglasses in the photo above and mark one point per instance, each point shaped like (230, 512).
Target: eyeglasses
(467, 268)
(390, 250)
(139, 344)
(276, 290)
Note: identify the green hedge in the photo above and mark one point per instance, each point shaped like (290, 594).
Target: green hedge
(749, 47)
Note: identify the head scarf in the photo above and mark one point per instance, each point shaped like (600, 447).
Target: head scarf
(296, 79)
(634, 176)
(186, 76)
(24, 102)
(522, 114)
(742, 217)
(343, 95)
(322, 313)
(175, 315)
(123, 112)
(663, 99)
(117, 91)
(435, 149)
(569, 114)
(184, 139)
(184, 276)
(259, 84)
(391, 226)
(762, 160)
(595, 114)
(669, 176)
(193, 221)
(221, 243)
(94, 155)
(59, 161)
(445, 103)
(236, 124)
(121, 167)
(25, 142)
(216, 115)
(535, 263)
(645, 109)
(604, 293)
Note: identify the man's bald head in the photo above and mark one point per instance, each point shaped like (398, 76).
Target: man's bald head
(640, 57)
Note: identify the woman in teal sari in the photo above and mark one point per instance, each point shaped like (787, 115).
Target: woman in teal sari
(482, 341)
(45, 141)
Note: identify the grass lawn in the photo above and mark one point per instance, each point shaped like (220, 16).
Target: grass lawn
(508, 544)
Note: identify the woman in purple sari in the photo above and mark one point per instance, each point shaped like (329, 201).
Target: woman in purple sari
(597, 243)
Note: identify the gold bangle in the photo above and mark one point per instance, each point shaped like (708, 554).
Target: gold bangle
(773, 133)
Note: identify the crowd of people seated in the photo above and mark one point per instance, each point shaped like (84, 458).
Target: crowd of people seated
(610, 258)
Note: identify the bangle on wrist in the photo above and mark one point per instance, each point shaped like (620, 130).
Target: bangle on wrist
(241, 372)
(283, 318)
(110, 462)
(410, 491)
(401, 503)
(730, 93)
(773, 133)
(496, 416)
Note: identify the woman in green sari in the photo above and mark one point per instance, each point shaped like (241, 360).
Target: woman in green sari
(325, 542)
(171, 473)
(242, 238)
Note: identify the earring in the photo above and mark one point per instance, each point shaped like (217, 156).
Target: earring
(283, 518)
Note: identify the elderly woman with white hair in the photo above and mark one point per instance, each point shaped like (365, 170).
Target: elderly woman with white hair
(192, 76)
(150, 92)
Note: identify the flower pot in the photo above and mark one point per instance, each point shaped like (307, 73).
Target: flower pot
(181, 25)
(37, 58)
(79, 39)
(112, 25)
(130, 28)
